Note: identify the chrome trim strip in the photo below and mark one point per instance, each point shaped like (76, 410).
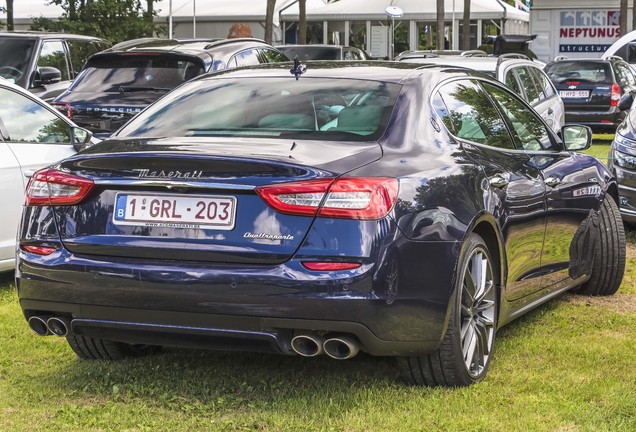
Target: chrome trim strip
(174, 184)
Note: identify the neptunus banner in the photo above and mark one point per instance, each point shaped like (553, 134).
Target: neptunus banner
(591, 31)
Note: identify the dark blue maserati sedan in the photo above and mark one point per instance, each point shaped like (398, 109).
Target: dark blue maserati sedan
(394, 209)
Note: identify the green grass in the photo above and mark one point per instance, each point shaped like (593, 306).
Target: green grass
(567, 366)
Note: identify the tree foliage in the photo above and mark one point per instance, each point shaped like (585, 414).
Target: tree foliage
(115, 20)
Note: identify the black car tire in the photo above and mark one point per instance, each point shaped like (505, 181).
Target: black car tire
(609, 253)
(89, 348)
(448, 366)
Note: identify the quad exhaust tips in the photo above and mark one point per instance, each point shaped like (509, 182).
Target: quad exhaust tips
(58, 326)
(338, 347)
(308, 344)
(341, 347)
(45, 325)
(38, 325)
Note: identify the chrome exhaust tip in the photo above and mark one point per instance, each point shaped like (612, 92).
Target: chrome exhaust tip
(58, 326)
(341, 347)
(38, 325)
(307, 344)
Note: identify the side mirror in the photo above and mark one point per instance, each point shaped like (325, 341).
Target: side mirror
(80, 137)
(576, 137)
(626, 101)
(47, 75)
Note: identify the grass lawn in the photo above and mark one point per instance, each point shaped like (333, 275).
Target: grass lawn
(567, 366)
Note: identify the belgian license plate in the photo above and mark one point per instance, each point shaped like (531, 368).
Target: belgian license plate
(175, 211)
(574, 93)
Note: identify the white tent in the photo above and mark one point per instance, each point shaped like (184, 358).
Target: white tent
(413, 10)
(213, 18)
(338, 17)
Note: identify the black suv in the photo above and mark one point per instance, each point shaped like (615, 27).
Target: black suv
(591, 89)
(118, 83)
(45, 63)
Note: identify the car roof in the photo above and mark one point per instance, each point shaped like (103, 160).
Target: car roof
(181, 45)
(373, 70)
(46, 35)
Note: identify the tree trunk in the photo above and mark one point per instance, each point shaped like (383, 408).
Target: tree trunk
(150, 15)
(10, 25)
(269, 21)
(440, 25)
(466, 25)
(302, 22)
(623, 17)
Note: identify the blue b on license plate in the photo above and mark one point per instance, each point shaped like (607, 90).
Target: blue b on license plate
(178, 211)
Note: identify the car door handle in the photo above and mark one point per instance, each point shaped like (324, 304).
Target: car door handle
(498, 181)
(550, 111)
(29, 173)
(552, 181)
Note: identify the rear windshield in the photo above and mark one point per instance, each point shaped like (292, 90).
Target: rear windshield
(129, 73)
(585, 72)
(310, 108)
(312, 53)
(15, 55)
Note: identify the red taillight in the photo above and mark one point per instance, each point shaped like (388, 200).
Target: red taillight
(573, 82)
(64, 108)
(365, 198)
(616, 95)
(39, 250)
(53, 187)
(330, 266)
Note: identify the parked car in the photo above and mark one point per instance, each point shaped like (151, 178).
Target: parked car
(45, 63)
(118, 83)
(622, 159)
(33, 135)
(591, 89)
(522, 75)
(322, 52)
(438, 208)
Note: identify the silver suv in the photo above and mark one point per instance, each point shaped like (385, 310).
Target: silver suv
(45, 63)
(518, 72)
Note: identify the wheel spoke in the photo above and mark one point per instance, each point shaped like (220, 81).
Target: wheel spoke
(469, 346)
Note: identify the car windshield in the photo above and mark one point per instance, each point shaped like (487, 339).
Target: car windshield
(15, 54)
(312, 53)
(582, 71)
(130, 73)
(308, 108)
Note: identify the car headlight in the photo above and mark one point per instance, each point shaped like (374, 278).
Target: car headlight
(624, 160)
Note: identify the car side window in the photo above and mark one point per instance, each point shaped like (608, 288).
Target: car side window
(528, 84)
(273, 56)
(544, 83)
(528, 129)
(53, 54)
(624, 76)
(28, 121)
(248, 57)
(471, 115)
(511, 81)
(80, 51)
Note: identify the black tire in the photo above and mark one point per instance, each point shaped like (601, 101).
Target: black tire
(89, 348)
(609, 253)
(448, 366)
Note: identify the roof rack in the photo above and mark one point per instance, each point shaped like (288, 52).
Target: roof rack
(474, 53)
(508, 56)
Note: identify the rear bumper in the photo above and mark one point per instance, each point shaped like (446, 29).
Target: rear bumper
(597, 120)
(239, 308)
